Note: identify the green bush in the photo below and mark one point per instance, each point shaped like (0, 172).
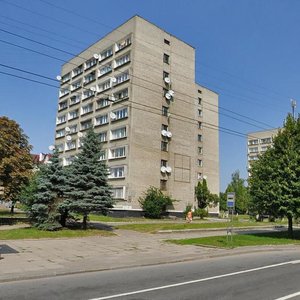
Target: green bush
(154, 203)
(187, 209)
(201, 212)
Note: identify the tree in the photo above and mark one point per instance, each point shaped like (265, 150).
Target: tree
(223, 201)
(242, 198)
(154, 203)
(15, 159)
(87, 189)
(204, 196)
(275, 177)
(50, 186)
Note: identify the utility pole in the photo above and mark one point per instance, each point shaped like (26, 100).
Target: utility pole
(293, 103)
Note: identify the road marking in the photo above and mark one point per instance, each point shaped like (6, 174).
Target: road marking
(289, 296)
(197, 280)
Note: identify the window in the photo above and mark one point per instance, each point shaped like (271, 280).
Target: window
(253, 142)
(166, 58)
(103, 136)
(121, 113)
(63, 92)
(76, 85)
(118, 192)
(73, 114)
(253, 157)
(104, 86)
(102, 155)
(200, 163)
(200, 150)
(87, 94)
(199, 176)
(123, 44)
(101, 120)
(71, 145)
(122, 60)
(102, 103)
(66, 78)
(120, 95)
(62, 105)
(117, 152)
(163, 163)
(89, 78)
(253, 150)
(163, 185)
(90, 63)
(199, 100)
(164, 111)
(60, 133)
(61, 119)
(104, 70)
(266, 141)
(75, 99)
(264, 148)
(118, 133)
(73, 129)
(59, 147)
(164, 127)
(86, 124)
(199, 125)
(68, 160)
(199, 112)
(200, 138)
(164, 146)
(199, 91)
(87, 108)
(77, 71)
(165, 75)
(106, 53)
(166, 42)
(122, 77)
(117, 172)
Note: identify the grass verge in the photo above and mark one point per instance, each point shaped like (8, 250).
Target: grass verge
(101, 218)
(152, 228)
(241, 240)
(33, 233)
(7, 214)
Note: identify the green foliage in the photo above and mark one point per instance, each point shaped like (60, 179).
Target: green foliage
(242, 197)
(87, 189)
(201, 213)
(154, 203)
(15, 159)
(223, 201)
(204, 196)
(275, 177)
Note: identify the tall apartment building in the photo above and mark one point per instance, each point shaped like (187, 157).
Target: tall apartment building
(136, 87)
(258, 142)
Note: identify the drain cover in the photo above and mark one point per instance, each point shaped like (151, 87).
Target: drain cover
(5, 249)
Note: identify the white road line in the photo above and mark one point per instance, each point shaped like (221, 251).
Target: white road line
(197, 280)
(289, 296)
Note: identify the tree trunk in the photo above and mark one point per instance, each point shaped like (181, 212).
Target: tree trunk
(84, 222)
(290, 228)
(63, 218)
(12, 208)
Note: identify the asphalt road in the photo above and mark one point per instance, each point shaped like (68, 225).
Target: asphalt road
(268, 275)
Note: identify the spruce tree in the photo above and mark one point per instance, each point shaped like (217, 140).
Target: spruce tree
(87, 187)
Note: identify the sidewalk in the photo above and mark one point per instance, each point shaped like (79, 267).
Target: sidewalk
(50, 257)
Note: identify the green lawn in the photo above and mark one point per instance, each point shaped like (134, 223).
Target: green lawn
(152, 228)
(101, 218)
(259, 239)
(33, 233)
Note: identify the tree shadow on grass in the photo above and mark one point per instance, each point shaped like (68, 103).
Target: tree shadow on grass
(283, 234)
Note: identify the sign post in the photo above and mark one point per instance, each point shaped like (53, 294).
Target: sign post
(230, 206)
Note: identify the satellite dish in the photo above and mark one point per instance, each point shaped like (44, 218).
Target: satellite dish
(51, 147)
(113, 116)
(67, 129)
(69, 138)
(169, 134)
(113, 79)
(96, 56)
(168, 96)
(58, 77)
(164, 132)
(163, 169)
(80, 134)
(168, 169)
(167, 80)
(171, 92)
(93, 89)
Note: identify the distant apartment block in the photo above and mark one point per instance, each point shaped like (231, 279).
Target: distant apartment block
(136, 88)
(258, 143)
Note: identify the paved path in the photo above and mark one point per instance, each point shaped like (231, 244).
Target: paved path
(49, 257)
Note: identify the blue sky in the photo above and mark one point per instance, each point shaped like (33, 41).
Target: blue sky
(247, 51)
